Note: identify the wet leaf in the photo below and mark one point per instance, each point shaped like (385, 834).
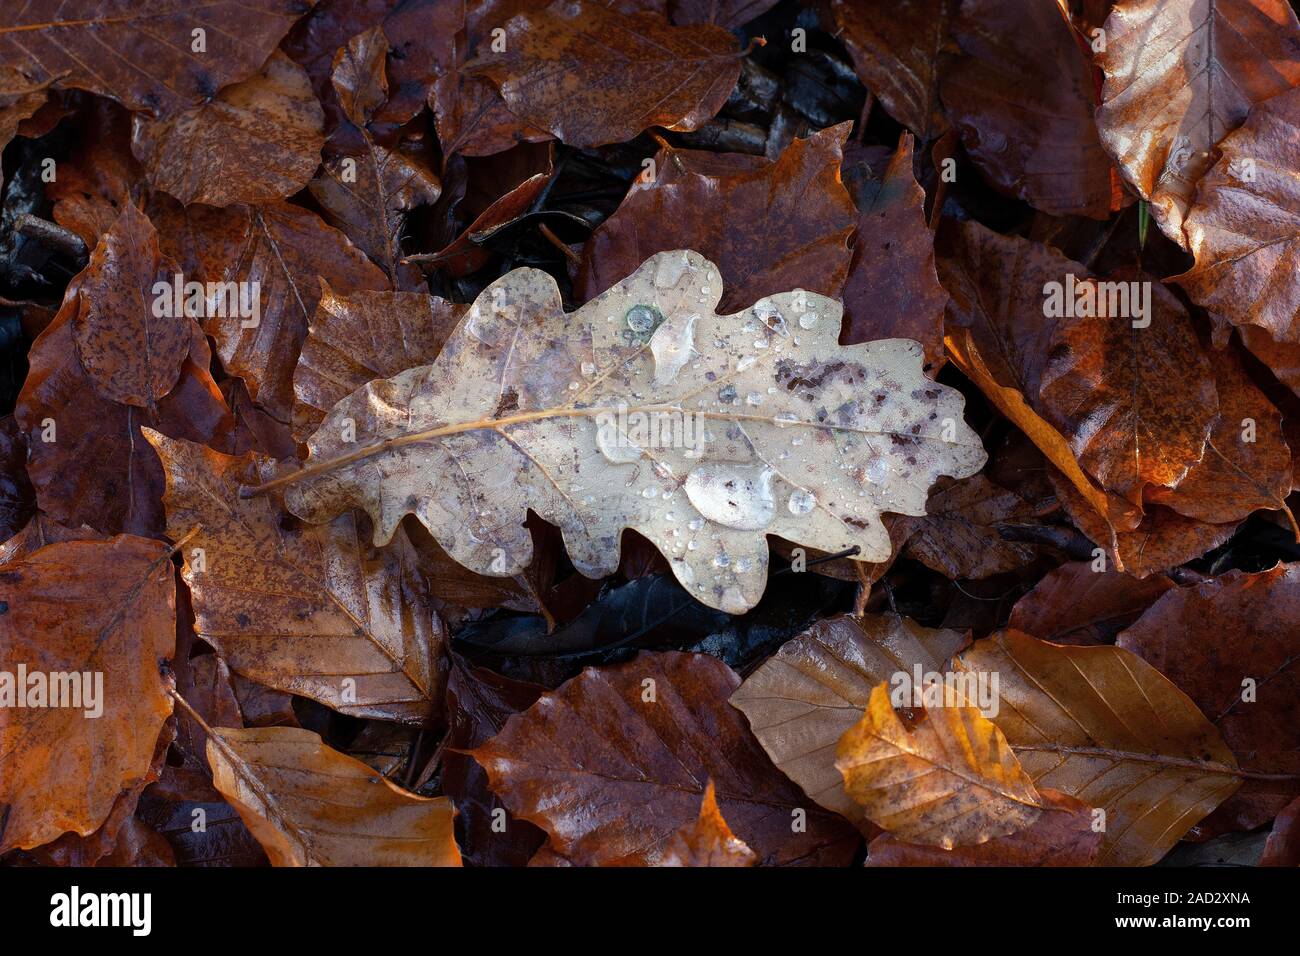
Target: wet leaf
(945, 779)
(481, 434)
(61, 769)
(1102, 725)
(805, 696)
(1180, 76)
(727, 212)
(591, 75)
(708, 841)
(312, 611)
(309, 805)
(611, 767)
(257, 141)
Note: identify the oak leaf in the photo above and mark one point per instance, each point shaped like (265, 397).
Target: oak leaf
(529, 407)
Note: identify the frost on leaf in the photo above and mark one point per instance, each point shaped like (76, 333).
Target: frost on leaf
(644, 409)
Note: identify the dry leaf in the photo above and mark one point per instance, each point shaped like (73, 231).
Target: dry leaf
(313, 612)
(1102, 725)
(946, 779)
(806, 695)
(309, 805)
(80, 609)
(529, 407)
(616, 761)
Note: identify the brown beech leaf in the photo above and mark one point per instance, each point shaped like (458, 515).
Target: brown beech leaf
(123, 489)
(806, 695)
(1245, 227)
(354, 339)
(1022, 99)
(96, 182)
(613, 763)
(1163, 539)
(286, 249)
(997, 334)
(142, 52)
(1137, 403)
(528, 407)
(131, 354)
(892, 288)
(256, 141)
(309, 805)
(17, 497)
(368, 197)
(1181, 75)
(358, 77)
(1102, 725)
(947, 778)
(1247, 463)
(80, 608)
(896, 49)
(479, 702)
(1233, 645)
(960, 534)
(1076, 605)
(708, 841)
(592, 75)
(1062, 836)
(1283, 846)
(726, 211)
(313, 612)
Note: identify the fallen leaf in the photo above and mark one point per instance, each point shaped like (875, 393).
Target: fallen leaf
(591, 75)
(309, 805)
(1102, 725)
(1180, 76)
(354, 339)
(131, 354)
(708, 841)
(311, 611)
(257, 141)
(1137, 403)
(892, 289)
(946, 779)
(153, 66)
(17, 498)
(358, 77)
(726, 213)
(1076, 605)
(806, 695)
(960, 534)
(897, 50)
(1283, 846)
(1062, 836)
(1022, 99)
(616, 761)
(480, 433)
(1233, 646)
(80, 608)
(1245, 227)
